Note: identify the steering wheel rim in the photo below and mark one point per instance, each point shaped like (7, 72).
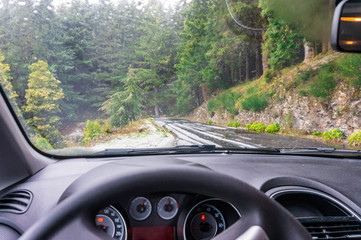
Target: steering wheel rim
(105, 184)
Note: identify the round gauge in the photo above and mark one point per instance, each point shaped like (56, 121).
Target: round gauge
(167, 208)
(140, 208)
(204, 222)
(110, 221)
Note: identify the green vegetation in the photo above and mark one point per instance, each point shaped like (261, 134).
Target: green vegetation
(333, 135)
(225, 101)
(255, 103)
(210, 122)
(317, 134)
(324, 83)
(131, 60)
(305, 76)
(350, 68)
(123, 107)
(91, 131)
(235, 124)
(43, 97)
(5, 79)
(43, 144)
(256, 127)
(355, 139)
(269, 75)
(273, 128)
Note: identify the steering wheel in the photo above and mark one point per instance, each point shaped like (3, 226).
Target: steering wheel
(262, 218)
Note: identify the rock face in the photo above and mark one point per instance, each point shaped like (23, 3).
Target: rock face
(307, 114)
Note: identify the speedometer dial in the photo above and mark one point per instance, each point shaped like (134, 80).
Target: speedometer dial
(204, 222)
(110, 221)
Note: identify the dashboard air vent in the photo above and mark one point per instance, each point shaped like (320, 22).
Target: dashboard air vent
(16, 202)
(340, 228)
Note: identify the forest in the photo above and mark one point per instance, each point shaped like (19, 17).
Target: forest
(126, 60)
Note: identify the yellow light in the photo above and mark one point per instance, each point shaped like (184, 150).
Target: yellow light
(350, 42)
(351, 19)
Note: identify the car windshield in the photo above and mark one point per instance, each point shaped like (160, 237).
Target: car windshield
(86, 76)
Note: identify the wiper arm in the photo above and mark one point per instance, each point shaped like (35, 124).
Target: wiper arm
(314, 150)
(183, 149)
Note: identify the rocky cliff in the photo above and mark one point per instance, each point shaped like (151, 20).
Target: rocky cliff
(308, 114)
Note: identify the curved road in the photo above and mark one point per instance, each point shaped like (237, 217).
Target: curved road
(195, 133)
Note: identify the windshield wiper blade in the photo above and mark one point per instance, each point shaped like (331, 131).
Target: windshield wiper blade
(183, 149)
(315, 150)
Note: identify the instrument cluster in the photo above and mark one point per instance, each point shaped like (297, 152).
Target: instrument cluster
(166, 216)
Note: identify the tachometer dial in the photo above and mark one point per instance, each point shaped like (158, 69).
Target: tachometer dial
(167, 208)
(140, 208)
(204, 222)
(110, 221)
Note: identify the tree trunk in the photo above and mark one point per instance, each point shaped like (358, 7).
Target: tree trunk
(247, 65)
(309, 50)
(315, 49)
(258, 66)
(206, 93)
(324, 46)
(156, 111)
(240, 74)
(198, 98)
(156, 106)
(265, 64)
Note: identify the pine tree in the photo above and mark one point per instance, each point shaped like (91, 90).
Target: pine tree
(125, 106)
(42, 102)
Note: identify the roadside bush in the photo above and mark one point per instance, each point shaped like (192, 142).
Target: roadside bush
(236, 124)
(323, 85)
(269, 75)
(92, 131)
(305, 76)
(210, 122)
(350, 68)
(225, 101)
(317, 134)
(256, 127)
(355, 139)
(255, 103)
(43, 144)
(333, 135)
(273, 128)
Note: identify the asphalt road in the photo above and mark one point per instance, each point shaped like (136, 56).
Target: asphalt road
(195, 133)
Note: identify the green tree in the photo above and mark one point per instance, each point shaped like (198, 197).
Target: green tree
(282, 44)
(42, 102)
(125, 106)
(5, 79)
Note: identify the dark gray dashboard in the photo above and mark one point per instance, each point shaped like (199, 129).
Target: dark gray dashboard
(339, 178)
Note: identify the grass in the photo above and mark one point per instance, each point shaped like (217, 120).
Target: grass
(350, 68)
(224, 101)
(255, 103)
(324, 83)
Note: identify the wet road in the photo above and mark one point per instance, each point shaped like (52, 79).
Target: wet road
(188, 132)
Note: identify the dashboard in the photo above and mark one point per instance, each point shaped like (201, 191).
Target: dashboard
(321, 193)
(166, 216)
